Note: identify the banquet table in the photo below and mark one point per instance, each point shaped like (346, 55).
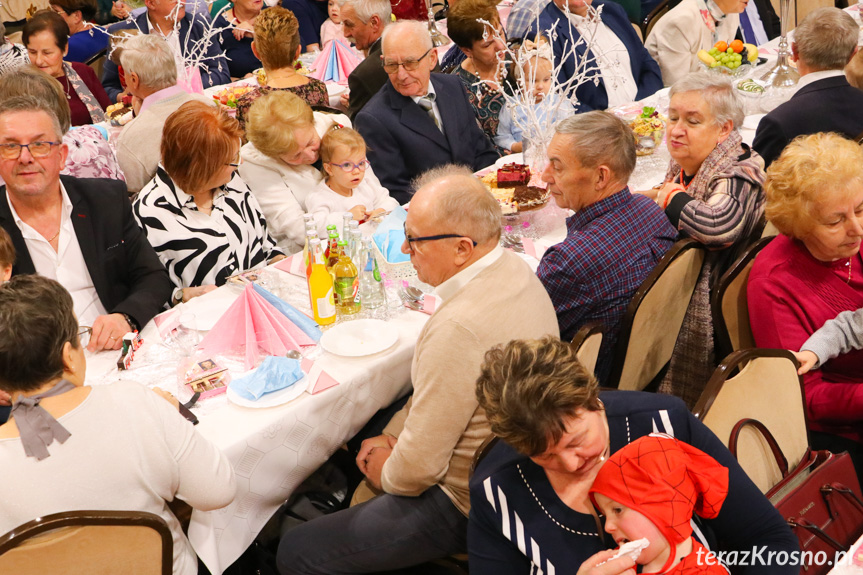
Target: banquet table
(272, 450)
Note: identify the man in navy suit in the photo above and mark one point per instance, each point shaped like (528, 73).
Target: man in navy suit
(418, 120)
(824, 102)
(625, 69)
(77, 231)
(160, 18)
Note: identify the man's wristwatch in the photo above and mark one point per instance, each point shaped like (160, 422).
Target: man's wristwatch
(132, 323)
(178, 296)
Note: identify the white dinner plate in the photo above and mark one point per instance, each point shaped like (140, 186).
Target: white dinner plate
(360, 337)
(272, 399)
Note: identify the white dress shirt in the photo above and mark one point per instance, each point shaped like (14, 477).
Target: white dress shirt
(612, 59)
(66, 265)
(449, 288)
(807, 79)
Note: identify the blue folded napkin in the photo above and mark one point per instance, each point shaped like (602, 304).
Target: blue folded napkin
(390, 236)
(301, 320)
(274, 373)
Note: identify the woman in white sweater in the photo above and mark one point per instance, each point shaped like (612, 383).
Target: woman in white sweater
(691, 26)
(112, 447)
(281, 161)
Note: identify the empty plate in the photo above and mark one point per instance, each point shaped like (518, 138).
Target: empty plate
(360, 337)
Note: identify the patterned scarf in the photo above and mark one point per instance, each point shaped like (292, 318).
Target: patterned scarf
(93, 108)
(721, 163)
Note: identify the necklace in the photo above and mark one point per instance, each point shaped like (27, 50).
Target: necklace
(54, 237)
(849, 270)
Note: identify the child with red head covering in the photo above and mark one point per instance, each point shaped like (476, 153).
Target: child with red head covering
(649, 490)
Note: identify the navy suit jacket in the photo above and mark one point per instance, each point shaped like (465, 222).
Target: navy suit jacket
(126, 272)
(828, 105)
(216, 72)
(403, 140)
(644, 69)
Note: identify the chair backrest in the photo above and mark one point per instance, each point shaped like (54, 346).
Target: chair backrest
(728, 304)
(651, 19)
(89, 543)
(97, 62)
(766, 388)
(586, 344)
(652, 321)
(482, 451)
(638, 31)
(769, 231)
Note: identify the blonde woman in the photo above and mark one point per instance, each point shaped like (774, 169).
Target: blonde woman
(812, 272)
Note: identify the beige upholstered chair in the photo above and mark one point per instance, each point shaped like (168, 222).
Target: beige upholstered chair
(729, 305)
(652, 321)
(769, 231)
(89, 543)
(651, 19)
(586, 344)
(768, 389)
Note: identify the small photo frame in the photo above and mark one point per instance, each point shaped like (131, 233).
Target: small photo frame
(207, 377)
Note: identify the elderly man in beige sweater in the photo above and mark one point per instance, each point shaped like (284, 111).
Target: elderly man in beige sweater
(422, 461)
(151, 77)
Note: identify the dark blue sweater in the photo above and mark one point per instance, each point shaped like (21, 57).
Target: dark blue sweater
(511, 494)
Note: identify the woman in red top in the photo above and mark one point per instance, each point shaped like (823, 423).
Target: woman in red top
(812, 272)
(46, 36)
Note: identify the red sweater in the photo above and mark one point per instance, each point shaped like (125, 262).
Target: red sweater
(80, 116)
(791, 295)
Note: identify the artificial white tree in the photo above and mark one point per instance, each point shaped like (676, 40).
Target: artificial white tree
(536, 119)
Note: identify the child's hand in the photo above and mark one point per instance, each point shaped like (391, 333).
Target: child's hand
(807, 361)
(517, 148)
(373, 213)
(359, 213)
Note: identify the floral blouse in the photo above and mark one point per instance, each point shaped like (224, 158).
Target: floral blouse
(314, 93)
(487, 103)
(201, 249)
(90, 156)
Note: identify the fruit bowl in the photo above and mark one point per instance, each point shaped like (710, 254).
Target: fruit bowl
(734, 59)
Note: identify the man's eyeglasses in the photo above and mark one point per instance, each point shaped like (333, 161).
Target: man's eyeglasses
(36, 149)
(350, 166)
(409, 65)
(410, 241)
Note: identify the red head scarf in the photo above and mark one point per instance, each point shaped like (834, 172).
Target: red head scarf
(665, 480)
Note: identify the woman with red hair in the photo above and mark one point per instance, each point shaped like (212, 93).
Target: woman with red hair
(197, 212)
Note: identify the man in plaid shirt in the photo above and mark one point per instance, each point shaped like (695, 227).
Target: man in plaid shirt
(613, 240)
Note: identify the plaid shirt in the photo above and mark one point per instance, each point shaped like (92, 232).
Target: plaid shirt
(610, 248)
(523, 14)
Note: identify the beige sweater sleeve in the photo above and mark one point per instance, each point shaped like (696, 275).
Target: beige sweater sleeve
(439, 412)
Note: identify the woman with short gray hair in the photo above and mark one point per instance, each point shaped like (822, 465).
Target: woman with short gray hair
(712, 193)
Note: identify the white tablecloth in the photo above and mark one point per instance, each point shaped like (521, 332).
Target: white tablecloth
(272, 450)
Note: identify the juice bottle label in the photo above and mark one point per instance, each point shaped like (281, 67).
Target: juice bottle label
(345, 292)
(326, 306)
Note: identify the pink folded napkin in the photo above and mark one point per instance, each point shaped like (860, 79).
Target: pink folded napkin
(254, 324)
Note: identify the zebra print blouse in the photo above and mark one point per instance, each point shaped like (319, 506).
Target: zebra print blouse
(200, 249)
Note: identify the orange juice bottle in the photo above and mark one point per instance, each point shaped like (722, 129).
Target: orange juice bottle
(321, 287)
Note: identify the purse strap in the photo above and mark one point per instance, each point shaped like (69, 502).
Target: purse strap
(781, 462)
(817, 532)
